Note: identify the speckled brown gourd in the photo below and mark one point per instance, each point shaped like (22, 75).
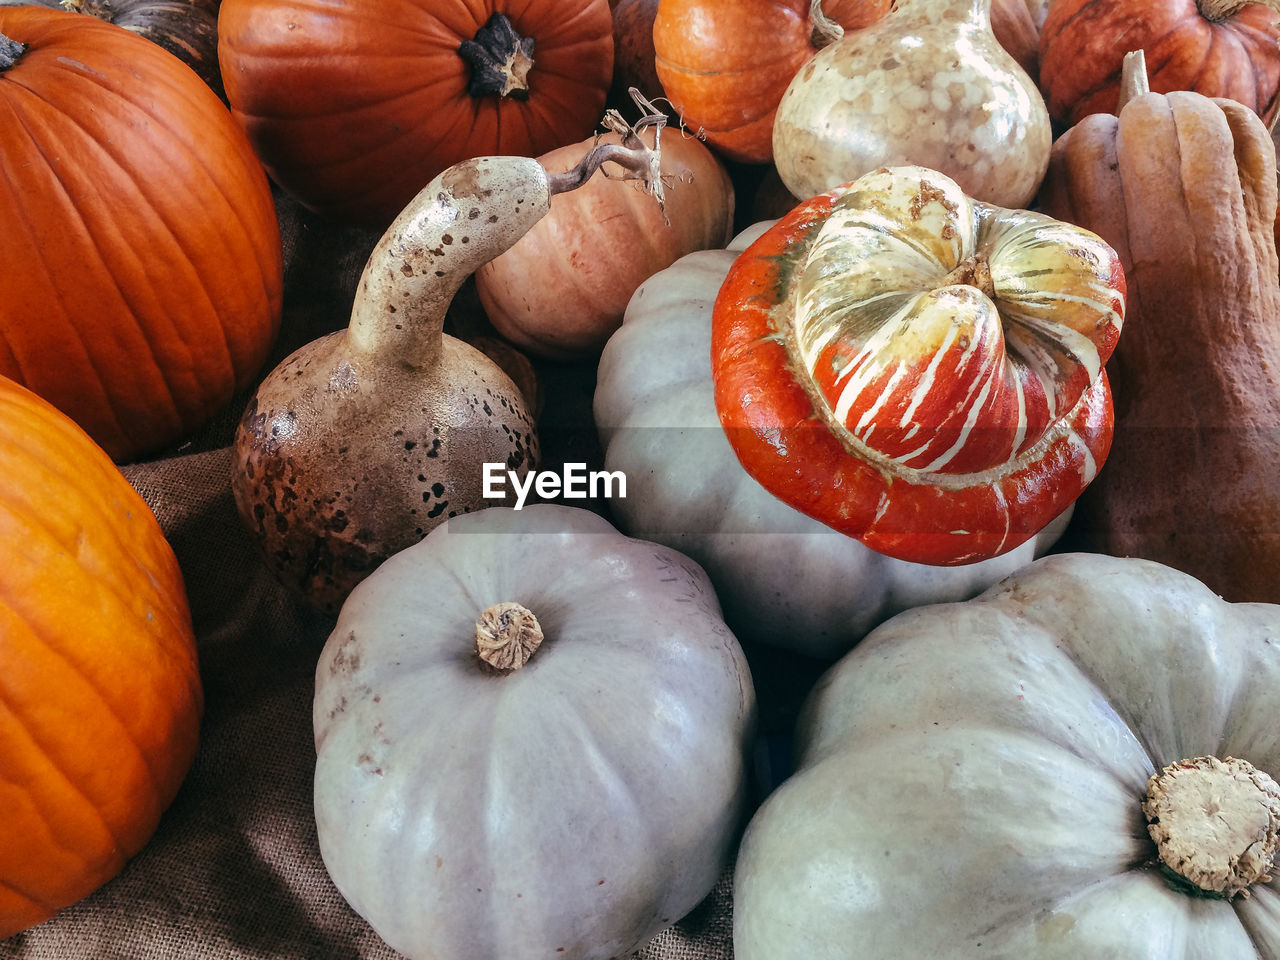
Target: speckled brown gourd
(362, 441)
(928, 85)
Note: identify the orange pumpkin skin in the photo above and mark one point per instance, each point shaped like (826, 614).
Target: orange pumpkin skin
(561, 291)
(1083, 42)
(355, 105)
(142, 266)
(770, 416)
(725, 64)
(98, 672)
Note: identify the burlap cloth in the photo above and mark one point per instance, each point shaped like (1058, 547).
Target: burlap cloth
(234, 870)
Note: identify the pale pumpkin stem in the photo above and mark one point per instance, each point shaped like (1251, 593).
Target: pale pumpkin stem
(1216, 823)
(825, 30)
(1216, 11)
(11, 52)
(500, 60)
(1133, 78)
(507, 635)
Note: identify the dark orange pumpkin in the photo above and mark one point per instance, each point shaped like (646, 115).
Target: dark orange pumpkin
(142, 276)
(725, 64)
(1219, 48)
(98, 677)
(355, 106)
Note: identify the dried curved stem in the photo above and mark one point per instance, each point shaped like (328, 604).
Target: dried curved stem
(638, 160)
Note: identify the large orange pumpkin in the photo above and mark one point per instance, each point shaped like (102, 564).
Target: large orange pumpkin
(141, 276)
(355, 106)
(100, 697)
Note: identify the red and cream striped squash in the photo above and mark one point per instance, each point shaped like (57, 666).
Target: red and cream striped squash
(918, 369)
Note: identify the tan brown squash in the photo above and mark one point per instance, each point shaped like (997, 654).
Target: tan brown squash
(1184, 188)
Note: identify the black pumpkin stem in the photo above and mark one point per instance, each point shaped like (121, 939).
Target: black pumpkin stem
(11, 52)
(500, 60)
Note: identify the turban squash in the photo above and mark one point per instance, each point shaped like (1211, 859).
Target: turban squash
(917, 369)
(783, 578)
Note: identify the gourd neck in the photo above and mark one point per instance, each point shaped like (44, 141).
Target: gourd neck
(1216, 11)
(507, 636)
(11, 52)
(949, 14)
(464, 218)
(500, 60)
(1216, 824)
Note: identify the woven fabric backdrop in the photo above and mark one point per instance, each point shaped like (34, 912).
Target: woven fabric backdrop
(234, 870)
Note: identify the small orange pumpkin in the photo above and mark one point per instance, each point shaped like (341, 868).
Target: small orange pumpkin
(98, 676)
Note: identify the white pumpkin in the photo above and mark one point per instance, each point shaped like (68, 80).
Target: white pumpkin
(569, 799)
(1001, 777)
(782, 577)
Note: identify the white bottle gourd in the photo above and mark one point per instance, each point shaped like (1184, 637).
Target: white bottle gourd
(928, 84)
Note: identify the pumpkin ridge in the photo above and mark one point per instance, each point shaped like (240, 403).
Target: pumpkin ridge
(103, 405)
(53, 466)
(119, 591)
(126, 300)
(212, 321)
(46, 908)
(47, 757)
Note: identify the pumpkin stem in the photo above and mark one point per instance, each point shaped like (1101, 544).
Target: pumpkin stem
(638, 160)
(500, 60)
(94, 8)
(11, 52)
(973, 272)
(825, 30)
(1133, 78)
(1215, 11)
(507, 635)
(1216, 823)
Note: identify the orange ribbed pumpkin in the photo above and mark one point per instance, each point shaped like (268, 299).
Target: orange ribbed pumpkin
(355, 106)
(1217, 48)
(142, 272)
(100, 697)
